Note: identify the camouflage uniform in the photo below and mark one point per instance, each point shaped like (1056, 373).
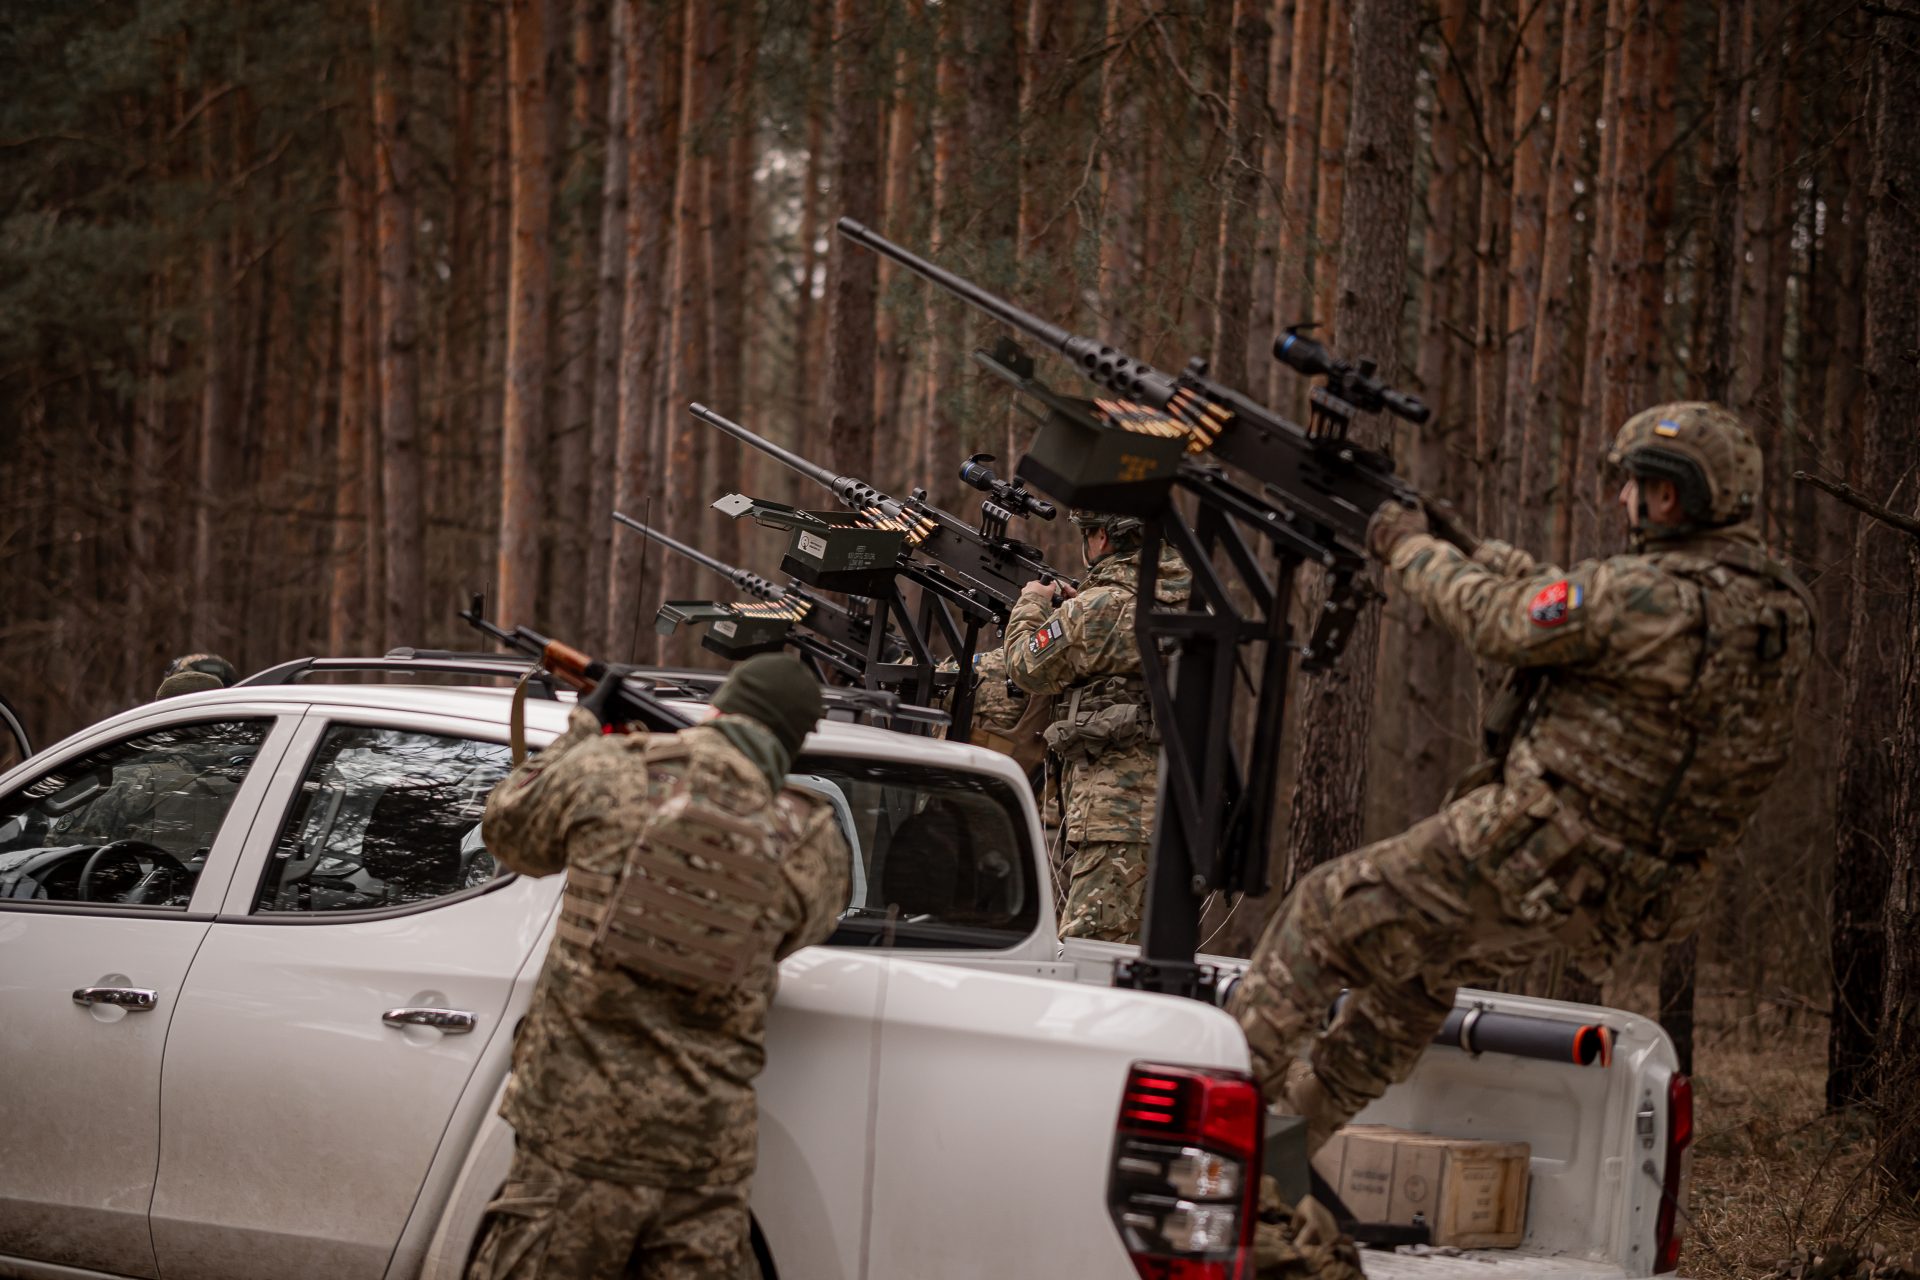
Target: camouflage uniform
(1663, 710)
(631, 1097)
(1007, 719)
(1085, 653)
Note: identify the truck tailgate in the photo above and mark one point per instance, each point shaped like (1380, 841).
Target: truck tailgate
(1482, 1264)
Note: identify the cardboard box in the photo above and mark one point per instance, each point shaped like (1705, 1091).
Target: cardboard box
(1471, 1194)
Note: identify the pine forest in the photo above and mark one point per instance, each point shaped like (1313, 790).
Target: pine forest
(317, 316)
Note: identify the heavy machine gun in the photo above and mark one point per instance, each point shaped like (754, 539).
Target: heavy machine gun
(831, 637)
(1311, 495)
(969, 576)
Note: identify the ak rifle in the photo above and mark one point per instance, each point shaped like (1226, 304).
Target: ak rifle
(1312, 493)
(969, 576)
(829, 635)
(579, 671)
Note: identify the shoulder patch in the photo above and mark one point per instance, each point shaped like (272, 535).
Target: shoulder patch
(1554, 602)
(1047, 639)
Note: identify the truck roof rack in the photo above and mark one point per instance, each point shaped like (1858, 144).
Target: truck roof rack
(695, 684)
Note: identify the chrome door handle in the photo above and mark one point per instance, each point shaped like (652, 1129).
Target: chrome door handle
(454, 1022)
(132, 999)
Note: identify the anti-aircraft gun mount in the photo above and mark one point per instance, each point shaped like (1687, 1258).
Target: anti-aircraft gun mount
(968, 575)
(1308, 496)
(830, 637)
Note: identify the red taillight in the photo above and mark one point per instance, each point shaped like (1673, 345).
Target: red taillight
(1673, 1185)
(1185, 1181)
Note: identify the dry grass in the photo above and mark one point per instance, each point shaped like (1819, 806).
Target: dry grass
(1772, 1171)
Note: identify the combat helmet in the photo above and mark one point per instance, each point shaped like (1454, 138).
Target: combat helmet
(1709, 455)
(1120, 528)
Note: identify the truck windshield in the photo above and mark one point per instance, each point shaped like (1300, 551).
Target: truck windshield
(940, 856)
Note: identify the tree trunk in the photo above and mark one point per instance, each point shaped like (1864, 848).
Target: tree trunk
(603, 441)
(1328, 806)
(1523, 456)
(1494, 487)
(808, 342)
(1715, 283)
(399, 326)
(346, 618)
(1293, 266)
(851, 271)
(1759, 141)
(1122, 247)
(1268, 373)
(1433, 715)
(1582, 514)
(529, 277)
(1541, 432)
(891, 342)
(946, 315)
(1328, 224)
(1247, 118)
(732, 127)
(651, 53)
(1876, 884)
(687, 354)
(575, 522)
(216, 442)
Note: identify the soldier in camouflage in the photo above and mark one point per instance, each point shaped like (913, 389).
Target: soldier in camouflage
(1083, 655)
(692, 869)
(1658, 691)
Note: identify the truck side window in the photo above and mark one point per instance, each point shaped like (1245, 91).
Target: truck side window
(385, 818)
(129, 823)
(941, 857)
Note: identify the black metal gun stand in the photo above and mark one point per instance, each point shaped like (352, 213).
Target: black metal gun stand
(1206, 839)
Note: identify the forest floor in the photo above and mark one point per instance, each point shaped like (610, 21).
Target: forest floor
(1772, 1170)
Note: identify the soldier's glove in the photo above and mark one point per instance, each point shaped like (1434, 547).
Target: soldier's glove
(609, 702)
(1392, 522)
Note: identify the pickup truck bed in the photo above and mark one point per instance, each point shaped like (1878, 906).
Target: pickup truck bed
(1482, 1264)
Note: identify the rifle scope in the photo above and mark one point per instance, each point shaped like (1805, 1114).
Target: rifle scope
(1013, 496)
(1354, 383)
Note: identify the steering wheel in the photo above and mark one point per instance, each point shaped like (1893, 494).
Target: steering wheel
(130, 851)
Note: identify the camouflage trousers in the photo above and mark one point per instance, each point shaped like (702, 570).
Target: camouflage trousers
(1106, 888)
(1496, 879)
(550, 1224)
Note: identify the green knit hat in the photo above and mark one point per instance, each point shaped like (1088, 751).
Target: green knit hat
(780, 693)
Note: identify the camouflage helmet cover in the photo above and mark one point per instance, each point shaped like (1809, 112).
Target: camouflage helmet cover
(1118, 527)
(1709, 455)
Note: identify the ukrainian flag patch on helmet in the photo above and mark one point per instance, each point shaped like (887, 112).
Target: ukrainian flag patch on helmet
(1666, 427)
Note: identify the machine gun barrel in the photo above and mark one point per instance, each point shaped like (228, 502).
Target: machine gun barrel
(1329, 482)
(852, 490)
(751, 583)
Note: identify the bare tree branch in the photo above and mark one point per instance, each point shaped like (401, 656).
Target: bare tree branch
(1853, 498)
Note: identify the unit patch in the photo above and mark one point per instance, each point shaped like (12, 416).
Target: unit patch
(1551, 606)
(1046, 638)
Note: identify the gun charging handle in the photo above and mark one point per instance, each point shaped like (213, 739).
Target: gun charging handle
(977, 473)
(1354, 383)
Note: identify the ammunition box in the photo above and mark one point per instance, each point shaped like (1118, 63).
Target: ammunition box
(843, 552)
(731, 634)
(1085, 462)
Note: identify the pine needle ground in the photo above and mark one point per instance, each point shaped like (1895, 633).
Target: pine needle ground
(1773, 1171)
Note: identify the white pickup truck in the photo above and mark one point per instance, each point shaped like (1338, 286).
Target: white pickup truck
(259, 982)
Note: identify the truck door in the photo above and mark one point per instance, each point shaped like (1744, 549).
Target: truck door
(112, 859)
(334, 1015)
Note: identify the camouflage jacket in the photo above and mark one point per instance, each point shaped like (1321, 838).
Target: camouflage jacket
(616, 1076)
(1087, 646)
(1669, 676)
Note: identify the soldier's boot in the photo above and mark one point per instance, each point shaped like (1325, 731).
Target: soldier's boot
(1300, 1242)
(1305, 1095)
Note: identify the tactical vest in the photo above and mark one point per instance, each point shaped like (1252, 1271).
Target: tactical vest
(1685, 773)
(1106, 713)
(691, 905)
